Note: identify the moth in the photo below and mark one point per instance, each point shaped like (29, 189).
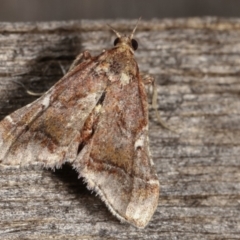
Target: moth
(96, 119)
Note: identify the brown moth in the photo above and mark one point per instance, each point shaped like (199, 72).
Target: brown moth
(96, 119)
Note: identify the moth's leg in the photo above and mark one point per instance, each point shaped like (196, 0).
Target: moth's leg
(38, 94)
(80, 58)
(29, 92)
(83, 56)
(149, 80)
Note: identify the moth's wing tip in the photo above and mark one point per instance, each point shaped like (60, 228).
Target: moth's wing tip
(143, 204)
(137, 211)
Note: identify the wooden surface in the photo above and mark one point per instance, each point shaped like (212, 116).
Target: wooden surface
(196, 64)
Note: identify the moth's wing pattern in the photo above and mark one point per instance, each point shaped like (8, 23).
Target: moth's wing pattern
(48, 130)
(115, 161)
(96, 118)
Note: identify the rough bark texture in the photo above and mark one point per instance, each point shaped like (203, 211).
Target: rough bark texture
(196, 64)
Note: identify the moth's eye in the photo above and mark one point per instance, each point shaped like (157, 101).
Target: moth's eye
(116, 41)
(134, 44)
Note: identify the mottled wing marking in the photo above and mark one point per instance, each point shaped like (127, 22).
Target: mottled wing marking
(115, 161)
(48, 130)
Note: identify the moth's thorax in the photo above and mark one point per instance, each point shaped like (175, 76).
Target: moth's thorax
(118, 64)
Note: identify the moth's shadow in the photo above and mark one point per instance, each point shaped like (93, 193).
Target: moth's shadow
(67, 180)
(67, 175)
(39, 72)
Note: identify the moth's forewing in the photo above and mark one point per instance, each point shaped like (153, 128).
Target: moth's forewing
(116, 161)
(48, 130)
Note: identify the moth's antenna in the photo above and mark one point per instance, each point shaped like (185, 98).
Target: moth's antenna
(131, 36)
(116, 32)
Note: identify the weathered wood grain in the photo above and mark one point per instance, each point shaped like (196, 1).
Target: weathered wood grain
(196, 64)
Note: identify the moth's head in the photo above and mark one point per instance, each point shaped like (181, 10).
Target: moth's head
(126, 41)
